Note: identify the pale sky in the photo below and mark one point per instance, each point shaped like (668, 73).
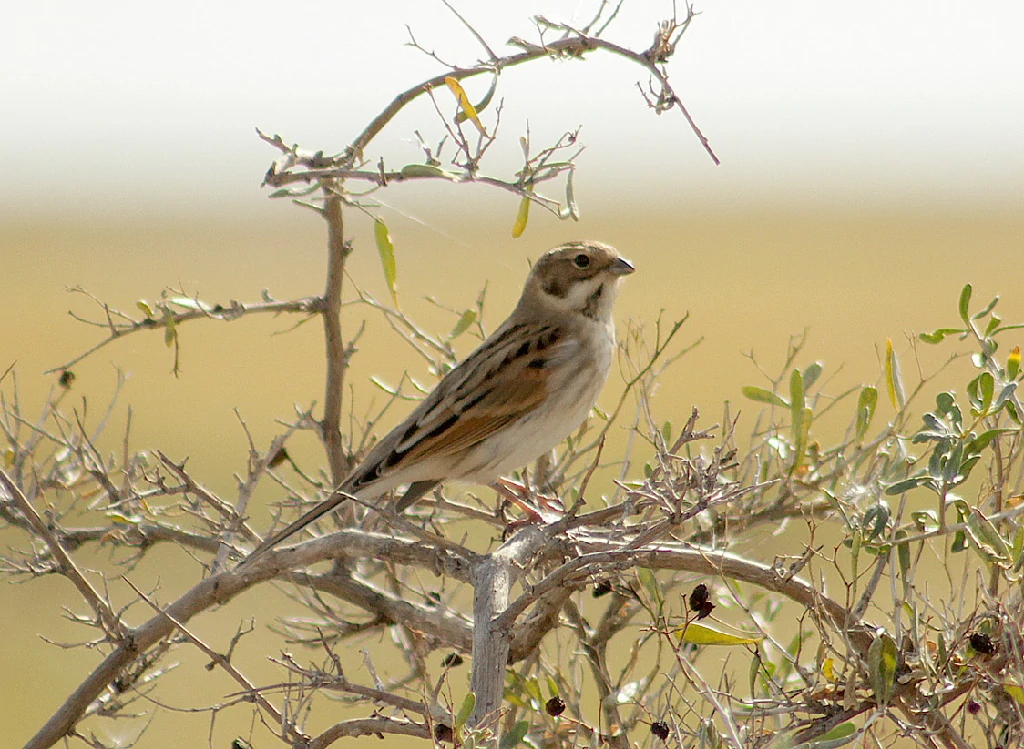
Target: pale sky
(151, 106)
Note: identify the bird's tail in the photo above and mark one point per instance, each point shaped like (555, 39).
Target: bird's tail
(295, 526)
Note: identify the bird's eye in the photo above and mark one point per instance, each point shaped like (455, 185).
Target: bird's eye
(581, 261)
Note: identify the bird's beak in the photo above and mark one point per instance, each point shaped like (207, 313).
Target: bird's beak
(621, 267)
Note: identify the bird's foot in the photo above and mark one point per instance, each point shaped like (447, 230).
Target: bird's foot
(538, 507)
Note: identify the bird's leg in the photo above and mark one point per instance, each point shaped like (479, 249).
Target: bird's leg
(538, 507)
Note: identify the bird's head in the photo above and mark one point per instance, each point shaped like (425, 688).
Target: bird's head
(580, 277)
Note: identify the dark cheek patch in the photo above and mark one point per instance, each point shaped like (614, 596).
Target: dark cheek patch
(555, 288)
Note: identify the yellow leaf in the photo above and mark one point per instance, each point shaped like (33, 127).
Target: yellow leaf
(698, 634)
(521, 218)
(828, 669)
(464, 104)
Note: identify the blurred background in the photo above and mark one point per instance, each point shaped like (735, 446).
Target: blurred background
(872, 163)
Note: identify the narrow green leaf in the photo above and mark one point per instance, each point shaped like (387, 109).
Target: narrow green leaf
(988, 308)
(796, 393)
(801, 436)
(572, 209)
(938, 335)
(986, 538)
(650, 582)
(386, 250)
(986, 388)
(965, 303)
(465, 320)
(893, 381)
(143, 305)
(1013, 363)
(905, 485)
(984, 439)
(170, 331)
(839, 736)
(882, 667)
(1016, 692)
(763, 396)
(698, 634)
(515, 736)
(903, 554)
(413, 171)
(553, 690)
(866, 403)
(811, 375)
(466, 709)
(189, 303)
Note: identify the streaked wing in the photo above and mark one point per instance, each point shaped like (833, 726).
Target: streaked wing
(502, 381)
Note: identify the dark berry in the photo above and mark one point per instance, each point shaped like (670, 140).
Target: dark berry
(443, 732)
(279, 457)
(602, 588)
(452, 659)
(698, 597)
(555, 706)
(973, 707)
(982, 643)
(660, 729)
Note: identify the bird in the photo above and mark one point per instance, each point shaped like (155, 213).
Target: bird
(521, 392)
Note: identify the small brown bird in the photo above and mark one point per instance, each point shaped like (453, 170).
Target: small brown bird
(519, 394)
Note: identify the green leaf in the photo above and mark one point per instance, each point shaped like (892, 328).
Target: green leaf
(143, 305)
(1013, 364)
(515, 736)
(189, 303)
(465, 320)
(572, 210)
(699, 634)
(866, 403)
(938, 335)
(466, 709)
(796, 393)
(386, 249)
(650, 582)
(893, 381)
(841, 735)
(666, 432)
(986, 388)
(986, 538)
(801, 435)
(171, 331)
(903, 553)
(965, 303)
(811, 375)
(763, 396)
(1015, 692)
(905, 485)
(521, 218)
(882, 667)
(553, 690)
(988, 308)
(983, 440)
(413, 171)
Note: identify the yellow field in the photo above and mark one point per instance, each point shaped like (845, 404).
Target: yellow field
(749, 280)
